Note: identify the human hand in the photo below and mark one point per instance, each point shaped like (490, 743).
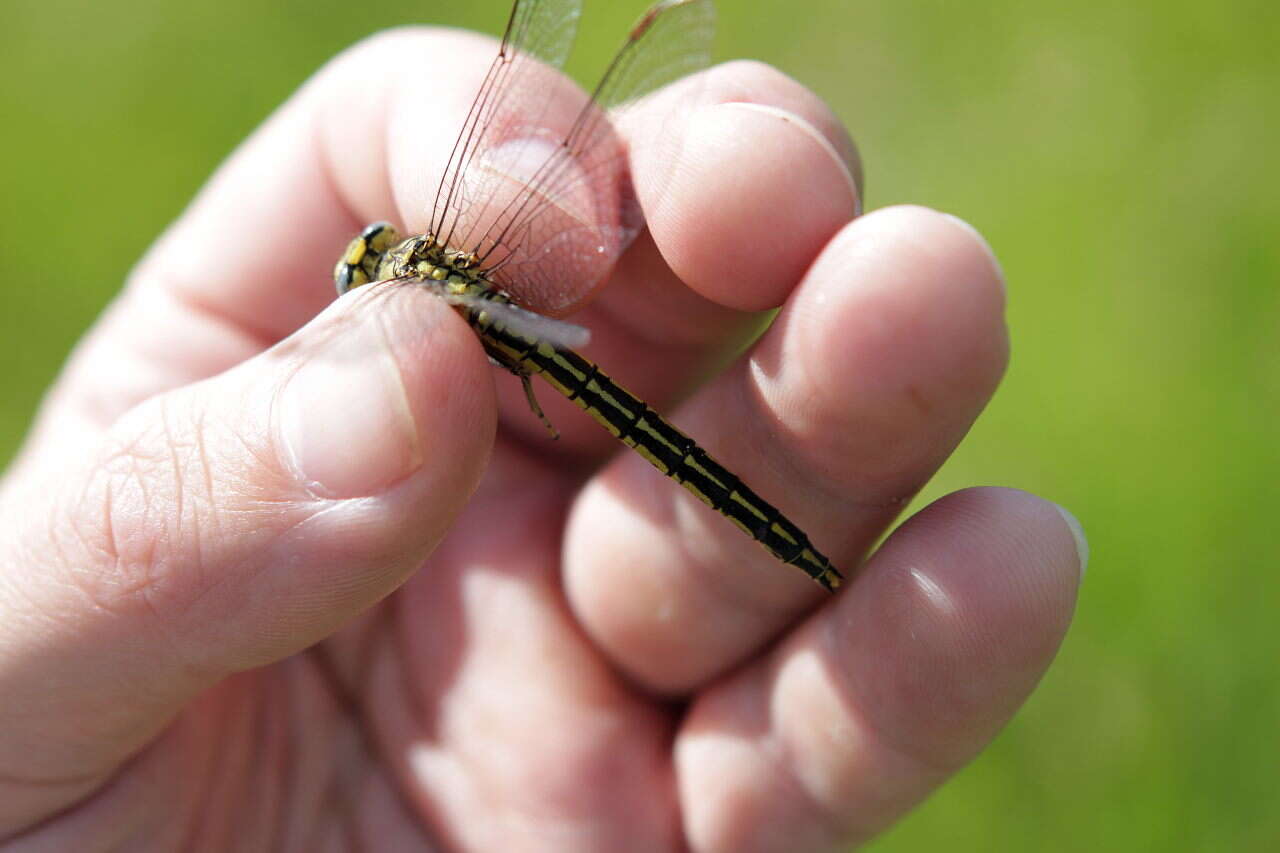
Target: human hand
(216, 626)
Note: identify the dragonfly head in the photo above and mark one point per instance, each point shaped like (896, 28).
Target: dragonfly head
(359, 263)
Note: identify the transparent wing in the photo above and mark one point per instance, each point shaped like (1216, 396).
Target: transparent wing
(671, 40)
(543, 198)
(538, 31)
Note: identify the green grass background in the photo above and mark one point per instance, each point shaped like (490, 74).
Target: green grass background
(1121, 158)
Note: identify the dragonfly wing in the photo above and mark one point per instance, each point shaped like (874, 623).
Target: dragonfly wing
(544, 199)
(567, 210)
(538, 33)
(672, 40)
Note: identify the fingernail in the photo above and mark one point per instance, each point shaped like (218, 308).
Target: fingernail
(345, 419)
(814, 134)
(1077, 533)
(986, 247)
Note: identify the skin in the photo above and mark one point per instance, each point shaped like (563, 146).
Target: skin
(272, 580)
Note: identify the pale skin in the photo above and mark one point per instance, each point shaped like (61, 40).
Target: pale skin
(343, 593)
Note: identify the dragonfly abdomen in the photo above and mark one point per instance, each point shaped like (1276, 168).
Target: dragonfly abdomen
(673, 453)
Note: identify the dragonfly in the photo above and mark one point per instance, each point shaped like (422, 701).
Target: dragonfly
(518, 211)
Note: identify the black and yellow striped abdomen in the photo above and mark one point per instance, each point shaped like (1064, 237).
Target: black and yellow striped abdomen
(378, 254)
(675, 454)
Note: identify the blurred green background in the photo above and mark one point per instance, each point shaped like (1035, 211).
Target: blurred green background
(1121, 158)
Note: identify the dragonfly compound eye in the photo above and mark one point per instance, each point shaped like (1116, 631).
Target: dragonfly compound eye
(359, 263)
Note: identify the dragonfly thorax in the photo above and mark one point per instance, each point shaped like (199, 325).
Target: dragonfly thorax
(378, 254)
(424, 257)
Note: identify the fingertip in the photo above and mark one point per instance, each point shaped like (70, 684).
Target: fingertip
(921, 241)
(891, 347)
(981, 246)
(959, 246)
(891, 687)
(956, 619)
(1078, 536)
(1017, 538)
(755, 191)
(752, 81)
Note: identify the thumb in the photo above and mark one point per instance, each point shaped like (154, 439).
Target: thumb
(226, 525)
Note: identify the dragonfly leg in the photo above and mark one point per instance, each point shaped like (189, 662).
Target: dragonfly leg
(533, 404)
